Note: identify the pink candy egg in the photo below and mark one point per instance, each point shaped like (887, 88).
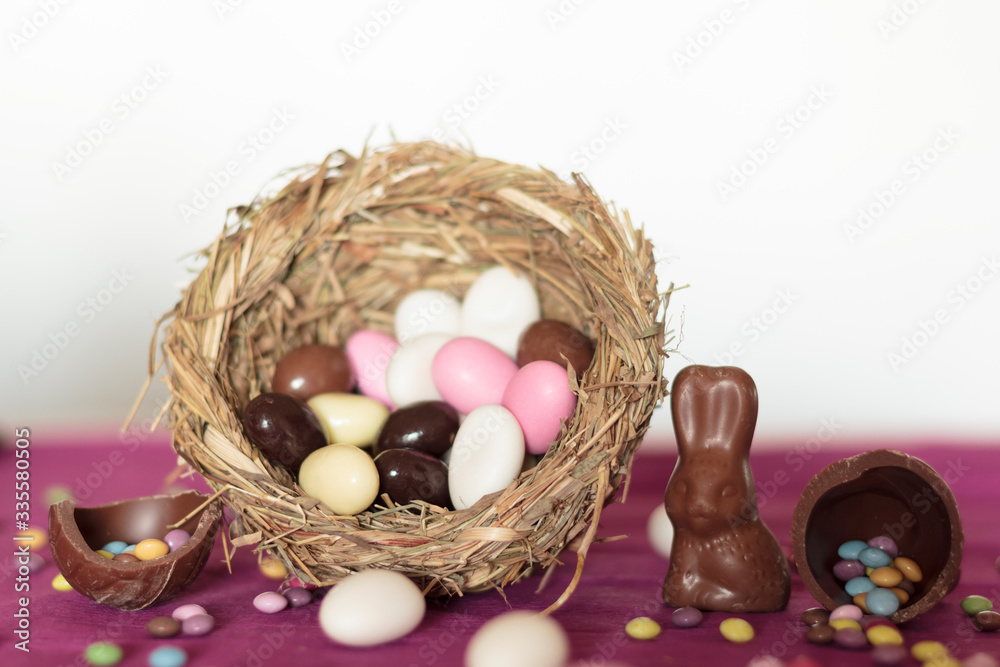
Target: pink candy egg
(540, 398)
(368, 352)
(469, 372)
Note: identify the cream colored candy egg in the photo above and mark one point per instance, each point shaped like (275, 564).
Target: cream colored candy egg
(660, 531)
(371, 607)
(349, 419)
(343, 477)
(521, 638)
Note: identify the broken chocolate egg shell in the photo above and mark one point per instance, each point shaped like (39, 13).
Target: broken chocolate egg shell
(75, 534)
(881, 492)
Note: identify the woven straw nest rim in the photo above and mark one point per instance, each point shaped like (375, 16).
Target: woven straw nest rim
(333, 252)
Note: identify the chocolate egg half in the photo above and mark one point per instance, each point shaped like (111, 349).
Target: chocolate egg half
(76, 532)
(881, 492)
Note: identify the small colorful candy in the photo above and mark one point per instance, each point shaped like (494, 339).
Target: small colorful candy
(642, 627)
(270, 602)
(188, 610)
(846, 611)
(167, 656)
(104, 554)
(35, 563)
(103, 653)
(815, 616)
(909, 568)
(126, 557)
(886, 544)
(272, 568)
(928, 650)
(115, 547)
(882, 602)
(297, 597)
(820, 634)
(981, 660)
(851, 550)
(888, 654)
(845, 570)
(973, 604)
(198, 625)
(36, 538)
(60, 584)
(886, 577)
(736, 630)
(150, 549)
(858, 585)
(874, 557)
(177, 538)
(686, 617)
(844, 623)
(850, 638)
(164, 626)
(879, 635)
(987, 621)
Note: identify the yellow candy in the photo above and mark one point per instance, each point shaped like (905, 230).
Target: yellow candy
(736, 630)
(642, 628)
(909, 568)
(883, 634)
(928, 650)
(903, 596)
(150, 549)
(841, 623)
(273, 568)
(60, 583)
(859, 601)
(886, 577)
(105, 554)
(38, 538)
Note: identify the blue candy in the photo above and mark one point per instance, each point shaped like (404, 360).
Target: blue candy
(874, 557)
(860, 585)
(129, 549)
(850, 550)
(114, 547)
(881, 602)
(167, 656)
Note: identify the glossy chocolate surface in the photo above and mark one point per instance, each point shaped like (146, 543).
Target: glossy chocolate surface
(312, 369)
(429, 426)
(551, 340)
(408, 475)
(881, 492)
(75, 533)
(283, 428)
(723, 558)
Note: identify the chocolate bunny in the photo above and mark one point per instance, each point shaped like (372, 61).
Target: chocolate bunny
(723, 557)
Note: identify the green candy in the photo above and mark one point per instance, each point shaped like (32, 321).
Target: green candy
(103, 653)
(974, 604)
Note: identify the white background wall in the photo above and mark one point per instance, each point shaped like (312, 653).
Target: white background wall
(116, 114)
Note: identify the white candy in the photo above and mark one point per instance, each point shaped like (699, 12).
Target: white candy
(498, 307)
(371, 607)
(427, 311)
(409, 378)
(660, 531)
(521, 638)
(487, 455)
(349, 419)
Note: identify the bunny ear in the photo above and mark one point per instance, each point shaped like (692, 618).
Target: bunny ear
(714, 407)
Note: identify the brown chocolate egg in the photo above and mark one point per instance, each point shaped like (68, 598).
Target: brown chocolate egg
(880, 492)
(76, 532)
(429, 426)
(407, 475)
(312, 369)
(550, 340)
(283, 428)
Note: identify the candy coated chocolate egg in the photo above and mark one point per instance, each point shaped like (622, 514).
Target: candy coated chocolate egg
(150, 549)
(349, 419)
(523, 638)
(551, 340)
(164, 626)
(498, 307)
(470, 372)
(298, 597)
(283, 428)
(270, 602)
(198, 625)
(368, 353)
(177, 538)
(429, 426)
(427, 311)
(540, 399)
(408, 475)
(486, 457)
(312, 369)
(371, 607)
(660, 531)
(409, 378)
(341, 476)
(187, 611)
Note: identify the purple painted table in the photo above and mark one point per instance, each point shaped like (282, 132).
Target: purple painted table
(622, 579)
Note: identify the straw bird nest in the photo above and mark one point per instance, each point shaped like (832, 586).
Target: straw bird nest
(335, 251)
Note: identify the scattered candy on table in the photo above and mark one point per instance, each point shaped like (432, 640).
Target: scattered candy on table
(167, 656)
(354, 611)
(888, 654)
(642, 627)
(852, 638)
(736, 630)
(986, 621)
(298, 597)
(164, 626)
(103, 653)
(816, 616)
(198, 625)
(270, 602)
(518, 638)
(974, 604)
(842, 623)
(187, 610)
(846, 611)
(35, 562)
(820, 634)
(36, 538)
(60, 584)
(686, 617)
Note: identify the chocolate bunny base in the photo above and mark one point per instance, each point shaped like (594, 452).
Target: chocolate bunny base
(723, 557)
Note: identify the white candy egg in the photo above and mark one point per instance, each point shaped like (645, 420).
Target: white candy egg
(349, 419)
(427, 311)
(371, 607)
(498, 307)
(522, 638)
(486, 456)
(409, 377)
(660, 531)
